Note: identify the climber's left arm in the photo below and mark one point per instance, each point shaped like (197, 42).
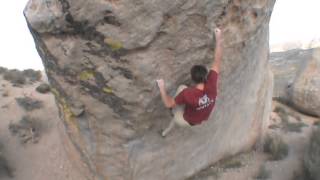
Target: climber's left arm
(168, 101)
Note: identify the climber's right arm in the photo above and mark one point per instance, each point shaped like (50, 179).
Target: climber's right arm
(218, 51)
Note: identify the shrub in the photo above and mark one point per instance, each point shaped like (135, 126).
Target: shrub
(5, 169)
(27, 129)
(280, 110)
(274, 126)
(28, 103)
(3, 70)
(276, 147)
(231, 163)
(316, 123)
(312, 157)
(286, 124)
(15, 77)
(32, 75)
(293, 127)
(263, 173)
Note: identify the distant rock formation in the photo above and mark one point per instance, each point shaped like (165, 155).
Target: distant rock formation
(297, 79)
(102, 59)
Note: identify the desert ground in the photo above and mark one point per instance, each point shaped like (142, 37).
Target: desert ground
(43, 158)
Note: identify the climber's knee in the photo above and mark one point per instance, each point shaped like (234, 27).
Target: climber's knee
(180, 88)
(178, 117)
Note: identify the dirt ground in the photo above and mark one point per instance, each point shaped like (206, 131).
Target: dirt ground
(45, 160)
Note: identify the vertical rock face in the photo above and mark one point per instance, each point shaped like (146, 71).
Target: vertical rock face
(102, 58)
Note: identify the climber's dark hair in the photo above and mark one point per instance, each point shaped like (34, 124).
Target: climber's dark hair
(199, 73)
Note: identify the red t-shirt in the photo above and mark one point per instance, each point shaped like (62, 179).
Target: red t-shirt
(199, 103)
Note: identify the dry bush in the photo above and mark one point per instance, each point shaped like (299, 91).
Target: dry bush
(27, 129)
(312, 157)
(276, 147)
(28, 103)
(263, 173)
(286, 125)
(293, 127)
(32, 75)
(231, 163)
(3, 70)
(16, 77)
(280, 110)
(5, 169)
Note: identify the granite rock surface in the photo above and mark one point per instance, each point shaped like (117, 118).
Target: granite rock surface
(102, 58)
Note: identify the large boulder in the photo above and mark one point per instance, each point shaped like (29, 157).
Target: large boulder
(106, 55)
(297, 79)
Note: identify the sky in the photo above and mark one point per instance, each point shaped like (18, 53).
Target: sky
(295, 20)
(292, 20)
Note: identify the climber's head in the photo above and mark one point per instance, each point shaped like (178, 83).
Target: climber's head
(199, 73)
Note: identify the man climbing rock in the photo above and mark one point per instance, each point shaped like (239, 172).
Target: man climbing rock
(193, 105)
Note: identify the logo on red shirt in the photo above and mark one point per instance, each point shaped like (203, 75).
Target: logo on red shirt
(204, 102)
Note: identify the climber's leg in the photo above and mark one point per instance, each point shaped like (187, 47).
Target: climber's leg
(180, 88)
(177, 115)
(168, 129)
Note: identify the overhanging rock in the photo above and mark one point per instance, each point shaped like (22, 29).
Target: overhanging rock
(102, 58)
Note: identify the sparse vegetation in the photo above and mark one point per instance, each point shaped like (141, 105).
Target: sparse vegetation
(231, 163)
(280, 110)
(274, 126)
(316, 123)
(5, 93)
(16, 77)
(263, 173)
(3, 70)
(5, 169)
(276, 147)
(312, 157)
(32, 75)
(27, 129)
(213, 172)
(293, 127)
(28, 103)
(286, 125)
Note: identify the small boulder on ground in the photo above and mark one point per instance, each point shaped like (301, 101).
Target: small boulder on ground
(297, 79)
(43, 88)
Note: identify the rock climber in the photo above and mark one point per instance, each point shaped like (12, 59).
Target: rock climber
(193, 105)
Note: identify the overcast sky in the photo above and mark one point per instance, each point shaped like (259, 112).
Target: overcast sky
(292, 20)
